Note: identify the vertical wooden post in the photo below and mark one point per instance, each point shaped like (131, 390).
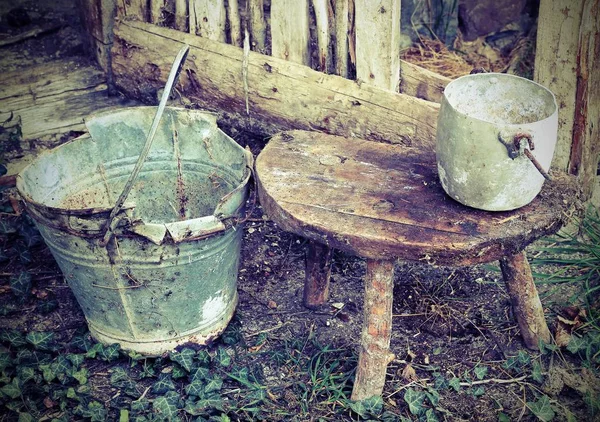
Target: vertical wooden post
(321, 8)
(156, 9)
(341, 38)
(133, 8)
(378, 42)
(317, 275)
(289, 30)
(526, 303)
(567, 61)
(235, 24)
(258, 26)
(181, 15)
(375, 352)
(210, 18)
(98, 17)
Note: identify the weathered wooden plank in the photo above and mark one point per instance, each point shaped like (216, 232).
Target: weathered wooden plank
(556, 66)
(181, 15)
(54, 98)
(289, 31)
(210, 19)
(133, 9)
(378, 42)
(585, 147)
(382, 201)
(321, 9)
(235, 23)
(156, 11)
(282, 95)
(341, 37)
(258, 25)
(422, 83)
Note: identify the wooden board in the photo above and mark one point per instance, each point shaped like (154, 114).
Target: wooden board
(382, 201)
(282, 95)
(53, 98)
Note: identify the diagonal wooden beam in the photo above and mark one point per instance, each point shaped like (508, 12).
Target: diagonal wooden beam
(282, 95)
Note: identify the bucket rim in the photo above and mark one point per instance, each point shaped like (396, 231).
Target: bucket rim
(502, 76)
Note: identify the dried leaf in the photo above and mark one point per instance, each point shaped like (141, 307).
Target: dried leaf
(409, 373)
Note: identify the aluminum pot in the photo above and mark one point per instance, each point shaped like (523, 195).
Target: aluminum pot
(496, 135)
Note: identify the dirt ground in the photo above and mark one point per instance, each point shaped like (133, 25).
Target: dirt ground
(448, 324)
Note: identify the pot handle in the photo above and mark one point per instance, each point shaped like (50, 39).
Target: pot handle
(522, 144)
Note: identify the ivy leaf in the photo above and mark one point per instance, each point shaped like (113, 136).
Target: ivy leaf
(20, 285)
(76, 359)
(199, 374)
(119, 377)
(167, 406)
(47, 373)
(25, 417)
(455, 383)
(71, 393)
(440, 382)
(164, 384)
(83, 342)
(14, 337)
(178, 372)
(185, 358)
(577, 344)
(203, 357)
(23, 252)
(503, 417)
(6, 360)
(25, 373)
(214, 384)
(140, 406)
(223, 357)
(430, 416)
(41, 340)
(96, 412)
(81, 376)
(94, 350)
(12, 390)
(195, 388)
(414, 399)
(480, 372)
(47, 306)
(433, 396)
(61, 367)
(536, 372)
(479, 391)
(542, 409)
(110, 352)
(203, 405)
(371, 406)
(9, 225)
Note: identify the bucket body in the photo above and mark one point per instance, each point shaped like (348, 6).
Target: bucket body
(168, 275)
(485, 122)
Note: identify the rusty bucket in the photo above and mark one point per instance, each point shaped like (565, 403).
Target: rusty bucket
(167, 274)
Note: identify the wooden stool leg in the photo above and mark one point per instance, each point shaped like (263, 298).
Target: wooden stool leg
(318, 272)
(525, 300)
(375, 352)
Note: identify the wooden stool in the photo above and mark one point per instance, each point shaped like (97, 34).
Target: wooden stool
(384, 202)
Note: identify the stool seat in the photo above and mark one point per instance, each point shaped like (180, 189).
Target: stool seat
(385, 201)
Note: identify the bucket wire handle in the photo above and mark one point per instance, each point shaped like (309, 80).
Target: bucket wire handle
(173, 76)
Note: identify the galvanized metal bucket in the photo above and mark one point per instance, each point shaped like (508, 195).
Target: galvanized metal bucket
(496, 135)
(168, 274)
